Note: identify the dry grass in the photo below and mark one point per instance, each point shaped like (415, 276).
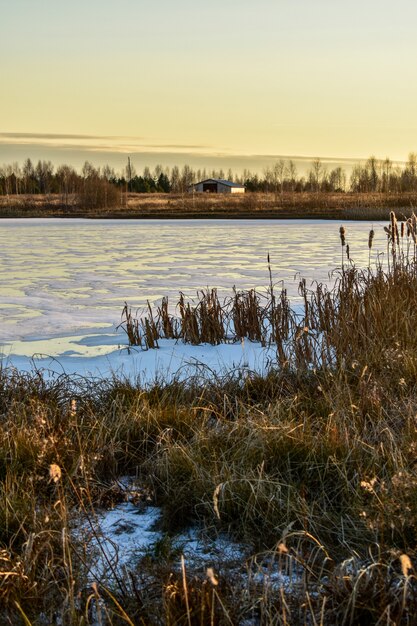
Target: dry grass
(313, 466)
(357, 206)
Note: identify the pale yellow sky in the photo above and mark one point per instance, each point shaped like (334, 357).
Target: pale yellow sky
(322, 78)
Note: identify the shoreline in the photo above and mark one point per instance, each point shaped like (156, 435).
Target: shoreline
(336, 216)
(250, 206)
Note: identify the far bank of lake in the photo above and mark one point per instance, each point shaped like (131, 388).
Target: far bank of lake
(251, 205)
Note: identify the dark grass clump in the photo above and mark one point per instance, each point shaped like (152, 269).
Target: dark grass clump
(247, 314)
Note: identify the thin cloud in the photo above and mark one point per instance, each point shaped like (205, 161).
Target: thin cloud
(305, 159)
(125, 142)
(131, 145)
(93, 148)
(176, 146)
(62, 136)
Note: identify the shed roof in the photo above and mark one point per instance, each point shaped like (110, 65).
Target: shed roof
(228, 183)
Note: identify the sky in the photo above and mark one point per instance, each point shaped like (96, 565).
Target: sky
(233, 82)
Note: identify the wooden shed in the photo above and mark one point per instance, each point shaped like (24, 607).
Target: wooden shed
(216, 185)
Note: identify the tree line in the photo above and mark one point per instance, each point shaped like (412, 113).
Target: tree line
(104, 185)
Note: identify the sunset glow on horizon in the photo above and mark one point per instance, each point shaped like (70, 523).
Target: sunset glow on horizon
(199, 79)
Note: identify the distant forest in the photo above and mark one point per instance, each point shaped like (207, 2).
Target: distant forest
(373, 175)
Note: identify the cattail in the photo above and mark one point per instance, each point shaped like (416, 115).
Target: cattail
(406, 565)
(73, 408)
(393, 229)
(211, 576)
(55, 472)
(370, 241)
(216, 499)
(409, 228)
(347, 252)
(342, 235)
(402, 230)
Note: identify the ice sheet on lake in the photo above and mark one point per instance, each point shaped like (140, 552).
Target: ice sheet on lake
(63, 278)
(64, 284)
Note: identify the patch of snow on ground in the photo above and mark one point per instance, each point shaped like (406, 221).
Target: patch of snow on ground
(116, 540)
(172, 360)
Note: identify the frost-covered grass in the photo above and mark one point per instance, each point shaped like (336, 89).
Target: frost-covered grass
(307, 470)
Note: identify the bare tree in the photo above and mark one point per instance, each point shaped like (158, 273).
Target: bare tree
(292, 175)
(316, 175)
(268, 178)
(187, 178)
(108, 173)
(386, 178)
(28, 176)
(337, 179)
(278, 175)
(410, 172)
(175, 179)
(371, 167)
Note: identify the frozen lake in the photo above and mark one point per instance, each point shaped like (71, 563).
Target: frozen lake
(64, 282)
